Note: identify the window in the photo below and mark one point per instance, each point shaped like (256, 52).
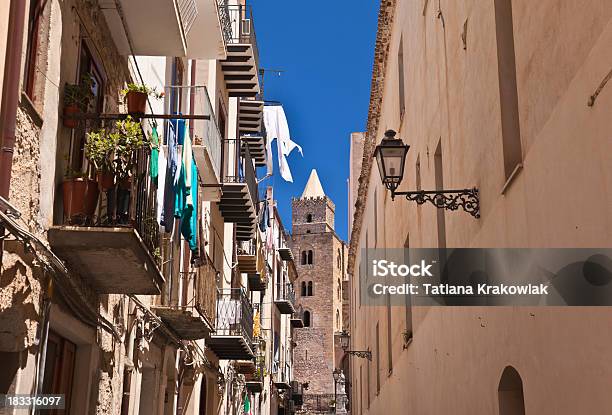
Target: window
(59, 368)
(309, 290)
(306, 257)
(400, 73)
(337, 320)
(303, 291)
(510, 393)
(508, 92)
(34, 28)
(339, 289)
(88, 68)
(307, 319)
(309, 218)
(339, 259)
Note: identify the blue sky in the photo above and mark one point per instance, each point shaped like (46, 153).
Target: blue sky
(326, 49)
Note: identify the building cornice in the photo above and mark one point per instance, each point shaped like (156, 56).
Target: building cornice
(386, 14)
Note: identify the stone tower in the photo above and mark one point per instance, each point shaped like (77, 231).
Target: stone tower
(320, 257)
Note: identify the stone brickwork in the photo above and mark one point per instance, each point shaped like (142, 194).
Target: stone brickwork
(313, 229)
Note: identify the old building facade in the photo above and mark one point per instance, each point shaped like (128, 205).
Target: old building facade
(509, 96)
(320, 257)
(136, 285)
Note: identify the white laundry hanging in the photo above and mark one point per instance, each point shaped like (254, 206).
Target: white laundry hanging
(277, 128)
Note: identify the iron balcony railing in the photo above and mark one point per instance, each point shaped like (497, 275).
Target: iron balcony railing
(234, 314)
(247, 175)
(238, 26)
(285, 292)
(129, 201)
(319, 402)
(247, 247)
(204, 132)
(188, 11)
(198, 293)
(205, 295)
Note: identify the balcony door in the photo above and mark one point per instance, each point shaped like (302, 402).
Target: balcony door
(89, 67)
(59, 370)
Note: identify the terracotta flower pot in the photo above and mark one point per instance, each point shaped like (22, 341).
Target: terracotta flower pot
(106, 180)
(70, 110)
(136, 102)
(80, 198)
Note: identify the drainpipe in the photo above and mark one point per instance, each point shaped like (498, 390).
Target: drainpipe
(10, 92)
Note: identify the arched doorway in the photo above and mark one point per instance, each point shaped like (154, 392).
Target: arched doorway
(510, 393)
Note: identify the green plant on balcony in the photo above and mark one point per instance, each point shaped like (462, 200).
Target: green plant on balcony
(77, 98)
(136, 97)
(113, 153)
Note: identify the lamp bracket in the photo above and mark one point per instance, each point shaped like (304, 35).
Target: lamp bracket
(364, 354)
(446, 199)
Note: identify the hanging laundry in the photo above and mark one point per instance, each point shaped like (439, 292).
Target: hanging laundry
(277, 128)
(154, 165)
(263, 222)
(186, 198)
(162, 165)
(173, 167)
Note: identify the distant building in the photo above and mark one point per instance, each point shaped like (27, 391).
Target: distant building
(320, 257)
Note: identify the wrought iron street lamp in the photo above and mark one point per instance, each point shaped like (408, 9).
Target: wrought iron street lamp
(391, 159)
(345, 338)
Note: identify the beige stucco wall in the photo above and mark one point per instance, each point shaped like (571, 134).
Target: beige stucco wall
(561, 198)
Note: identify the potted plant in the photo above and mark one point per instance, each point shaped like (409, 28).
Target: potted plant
(80, 197)
(76, 99)
(112, 152)
(99, 148)
(136, 97)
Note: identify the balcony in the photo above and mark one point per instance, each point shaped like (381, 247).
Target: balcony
(282, 377)
(190, 28)
(254, 382)
(248, 257)
(297, 318)
(285, 254)
(161, 31)
(233, 336)
(284, 298)
(207, 145)
(240, 200)
(250, 129)
(241, 67)
(257, 282)
(116, 250)
(192, 317)
(297, 393)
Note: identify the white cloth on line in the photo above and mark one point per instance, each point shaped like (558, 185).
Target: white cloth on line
(277, 128)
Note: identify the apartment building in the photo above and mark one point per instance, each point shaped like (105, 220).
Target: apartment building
(510, 97)
(123, 291)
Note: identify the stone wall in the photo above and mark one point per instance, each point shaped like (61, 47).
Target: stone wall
(314, 357)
